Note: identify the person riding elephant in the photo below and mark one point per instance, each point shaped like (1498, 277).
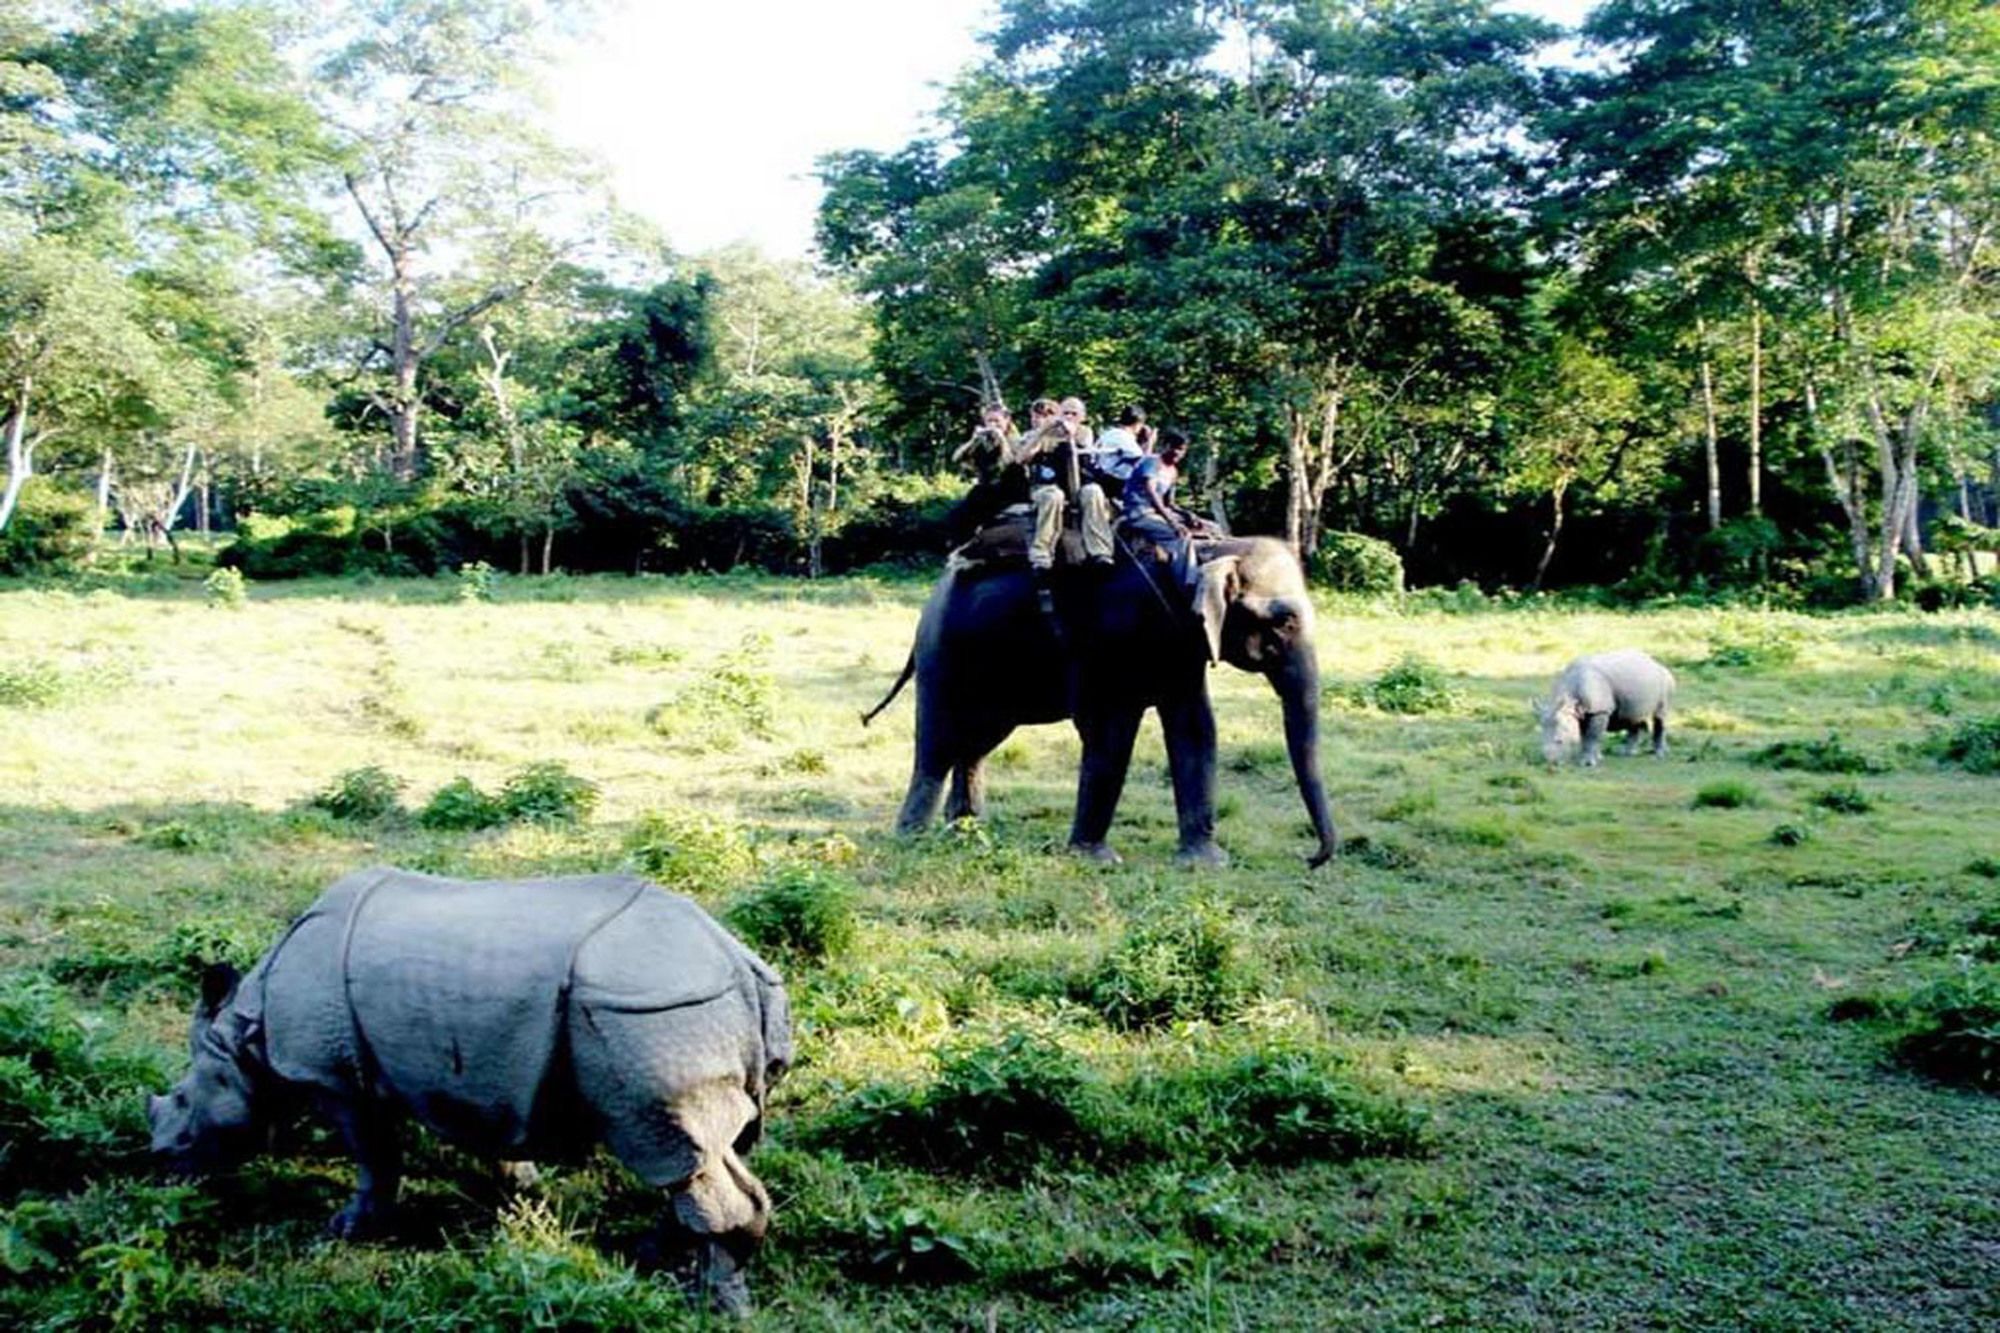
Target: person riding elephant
(1053, 455)
(1126, 643)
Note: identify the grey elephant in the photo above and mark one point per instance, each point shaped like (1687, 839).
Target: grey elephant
(1624, 690)
(520, 1020)
(987, 659)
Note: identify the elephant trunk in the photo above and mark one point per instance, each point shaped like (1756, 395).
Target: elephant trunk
(1296, 681)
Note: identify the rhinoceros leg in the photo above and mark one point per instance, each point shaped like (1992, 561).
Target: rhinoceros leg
(370, 1135)
(1594, 725)
(1659, 735)
(670, 1096)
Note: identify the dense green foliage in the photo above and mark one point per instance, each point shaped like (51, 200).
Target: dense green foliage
(1712, 308)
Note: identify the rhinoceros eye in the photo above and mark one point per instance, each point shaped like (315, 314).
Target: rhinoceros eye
(180, 1098)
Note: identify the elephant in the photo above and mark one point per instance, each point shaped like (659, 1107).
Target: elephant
(988, 657)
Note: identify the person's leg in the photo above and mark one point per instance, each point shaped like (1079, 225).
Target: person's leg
(1096, 523)
(1048, 526)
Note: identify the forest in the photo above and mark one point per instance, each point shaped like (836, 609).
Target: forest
(1700, 299)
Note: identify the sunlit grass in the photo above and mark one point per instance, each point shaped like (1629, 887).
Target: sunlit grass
(1594, 989)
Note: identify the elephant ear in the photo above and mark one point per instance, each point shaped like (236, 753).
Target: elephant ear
(1213, 594)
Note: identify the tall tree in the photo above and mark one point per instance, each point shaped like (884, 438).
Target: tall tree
(433, 105)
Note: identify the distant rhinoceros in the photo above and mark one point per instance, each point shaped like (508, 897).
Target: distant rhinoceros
(520, 1020)
(1623, 691)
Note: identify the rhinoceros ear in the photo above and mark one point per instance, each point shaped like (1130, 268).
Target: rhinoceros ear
(1540, 708)
(218, 983)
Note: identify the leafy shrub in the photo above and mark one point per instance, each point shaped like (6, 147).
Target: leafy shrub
(1727, 795)
(548, 793)
(1285, 1106)
(1831, 755)
(733, 698)
(1184, 964)
(1844, 798)
(475, 581)
(1955, 1037)
(1352, 562)
(225, 588)
(1791, 835)
(1986, 867)
(123, 955)
(996, 1105)
(804, 913)
(51, 531)
(1412, 685)
(1973, 745)
(460, 805)
(645, 654)
(1753, 645)
(64, 1089)
(30, 684)
(361, 795)
(690, 851)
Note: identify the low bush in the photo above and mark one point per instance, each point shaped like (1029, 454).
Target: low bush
(30, 684)
(1753, 645)
(1413, 685)
(476, 580)
(361, 795)
(1726, 795)
(1830, 755)
(1352, 562)
(1269, 1106)
(1843, 798)
(547, 793)
(1955, 1029)
(51, 531)
(460, 806)
(690, 852)
(124, 955)
(71, 1101)
(1973, 745)
(225, 588)
(997, 1104)
(804, 913)
(1791, 835)
(734, 698)
(1183, 964)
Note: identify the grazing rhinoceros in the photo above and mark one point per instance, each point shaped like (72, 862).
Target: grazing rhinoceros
(519, 1020)
(1617, 691)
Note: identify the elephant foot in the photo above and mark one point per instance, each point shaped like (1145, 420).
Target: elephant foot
(1099, 852)
(363, 1218)
(1201, 856)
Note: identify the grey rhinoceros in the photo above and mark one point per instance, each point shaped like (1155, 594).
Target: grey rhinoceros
(521, 1020)
(1624, 690)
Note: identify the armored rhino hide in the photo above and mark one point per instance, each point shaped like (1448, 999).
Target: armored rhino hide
(469, 1000)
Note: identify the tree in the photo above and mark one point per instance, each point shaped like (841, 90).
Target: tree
(432, 105)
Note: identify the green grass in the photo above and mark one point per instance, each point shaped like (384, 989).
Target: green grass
(1540, 1049)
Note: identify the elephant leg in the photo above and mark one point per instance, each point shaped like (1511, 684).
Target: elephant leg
(1107, 753)
(920, 802)
(968, 790)
(1188, 724)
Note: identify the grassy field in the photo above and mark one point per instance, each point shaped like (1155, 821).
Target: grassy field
(1572, 1049)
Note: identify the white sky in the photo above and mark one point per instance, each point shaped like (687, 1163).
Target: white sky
(711, 113)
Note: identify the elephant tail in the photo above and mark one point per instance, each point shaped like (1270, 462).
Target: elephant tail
(909, 669)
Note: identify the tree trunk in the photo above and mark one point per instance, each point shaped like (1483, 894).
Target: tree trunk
(1555, 533)
(1295, 483)
(103, 489)
(522, 539)
(1211, 486)
(548, 548)
(20, 455)
(1846, 488)
(1709, 435)
(1756, 469)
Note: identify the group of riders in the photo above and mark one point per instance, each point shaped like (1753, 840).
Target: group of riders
(1063, 472)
